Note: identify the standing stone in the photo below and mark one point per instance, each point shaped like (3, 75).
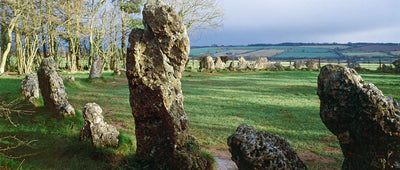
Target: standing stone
(298, 64)
(207, 62)
(97, 67)
(252, 149)
(366, 122)
(355, 65)
(232, 66)
(396, 64)
(155, 62)
(52, 87)
(242, 64)
(261, 63)
(219, 64)
(311, 64)
(30, 87)
(95, 129)
(277, 65)
(386, 68)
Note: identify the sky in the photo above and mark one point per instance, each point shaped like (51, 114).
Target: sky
(318, 21)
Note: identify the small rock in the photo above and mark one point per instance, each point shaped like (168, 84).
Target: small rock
(30, 87)
(100, 133)
(252, 149)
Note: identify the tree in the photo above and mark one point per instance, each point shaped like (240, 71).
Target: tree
(127, 7)
(198, 14)
(17, 8)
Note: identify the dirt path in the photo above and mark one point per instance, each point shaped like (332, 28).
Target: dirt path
(222, 157)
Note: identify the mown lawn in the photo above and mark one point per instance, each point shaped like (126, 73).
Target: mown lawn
(283, 103)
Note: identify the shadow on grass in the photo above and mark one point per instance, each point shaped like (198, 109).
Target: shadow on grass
(50, 142)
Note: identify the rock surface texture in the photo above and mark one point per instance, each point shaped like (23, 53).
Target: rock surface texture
(95, 129)
(242, 64)
(155, 62)
(311, 64)
(52, 88)
(30, 87)
(253, 149)
(298, 64)
(97, 67)
(207, 62)
(219, 64)
(396, 64)
(366, 122)
(262, 63)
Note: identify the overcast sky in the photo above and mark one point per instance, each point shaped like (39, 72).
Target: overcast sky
(277, 21)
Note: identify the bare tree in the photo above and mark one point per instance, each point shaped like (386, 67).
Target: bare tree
(17, 7)
(198, 14)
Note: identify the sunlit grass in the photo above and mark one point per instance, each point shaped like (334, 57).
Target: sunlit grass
(283, 103)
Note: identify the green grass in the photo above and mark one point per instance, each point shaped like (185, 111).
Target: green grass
(283, 103)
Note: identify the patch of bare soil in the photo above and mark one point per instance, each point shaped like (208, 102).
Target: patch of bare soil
(310, 156)
(12, 74)
(118, 124)
(222, 157)
(331, 149)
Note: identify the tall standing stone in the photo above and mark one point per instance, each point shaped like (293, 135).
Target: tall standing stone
(155, 62)
(366, 122)
(52, 88)
(298, 64)
(311, 64)
(219, 64)
(396, 64)
(242, 64)
(261, 63)
(207, 62)
(97, 67)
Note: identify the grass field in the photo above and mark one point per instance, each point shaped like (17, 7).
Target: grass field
(286, 52)
(283, 103)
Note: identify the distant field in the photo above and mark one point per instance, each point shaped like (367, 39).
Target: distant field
(264, 53)
(358, 53)
(366, 54)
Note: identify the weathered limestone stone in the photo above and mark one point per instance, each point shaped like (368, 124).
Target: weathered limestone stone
(366, 122)
(298, 64)
(252, 149)
(396, 64)
(119, 71)
(261, 63)
(52, 88)
(311, 64)
(155, 62)
(242, 64)
(355, 65)
(95, 129)
(30, 87)
(232, 66)
(68, 78)
(97, 67)
(277, 65)
(219, 64)
(207, 62)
